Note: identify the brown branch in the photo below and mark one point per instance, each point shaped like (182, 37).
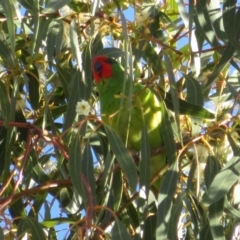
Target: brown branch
(216, 132)
(4, 187)
(210, 50)
(10, 197)
(43, 134)
(155, 40)
(47, 186)
(90, 201)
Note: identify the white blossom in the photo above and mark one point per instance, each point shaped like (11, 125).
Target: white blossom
(142, 18)
(50, 166)
(83, 108)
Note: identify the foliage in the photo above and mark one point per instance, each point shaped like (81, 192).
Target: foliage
(53, 158)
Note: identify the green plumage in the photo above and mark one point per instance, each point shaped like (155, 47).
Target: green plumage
(126, 115)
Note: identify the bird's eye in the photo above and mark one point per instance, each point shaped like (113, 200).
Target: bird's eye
(97, 67)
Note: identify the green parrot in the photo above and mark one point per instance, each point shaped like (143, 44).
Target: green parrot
(127, 119)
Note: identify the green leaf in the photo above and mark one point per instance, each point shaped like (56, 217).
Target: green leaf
(107, 172)
(117, 188)
(144, 167)
(169, 183)
(215, 213)
(26, 4)
(73, 34)
(30, 225)
(36, 24)
(28, 171)
(38, 201)
(190, 208)
(216, 14)
(150, 227)
(42, 33)
(168, 136)
(230, 209)
(222, 182)
(56, 113)
(204, 25)
(130, 214)
(153, 13)
(211, 170)
(79, 90)
(38, 173)
(205, 233)
(79, 6)
(9, 143)
(126, 45)
(57, 221)
(64, 77)
(33, 85)
(88, 172)
(3, 134)
(8, 7)
(119, 231)
(183, 13)
(110, 52)
(6, 55)
(87, 69)
(123, 157)
(55, 5)
(190, 109)
(173, 92)
(233, 144)
(54, 37)
(194, 93)
(166, 194)
(65, 197)
(226, 57)
(117, 4)
(73, 99)
(4, 102)
(151, 56)
(175, 218)
(231, 24)
(75, 167)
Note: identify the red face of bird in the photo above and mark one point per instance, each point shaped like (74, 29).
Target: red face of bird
(102, 68)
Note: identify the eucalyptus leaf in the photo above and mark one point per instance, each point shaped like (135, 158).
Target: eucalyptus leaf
(222, 182)
(119, 231)
(30, 225)
(123, 157)
(55, 5)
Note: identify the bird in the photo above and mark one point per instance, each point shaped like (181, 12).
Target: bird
(126, 115)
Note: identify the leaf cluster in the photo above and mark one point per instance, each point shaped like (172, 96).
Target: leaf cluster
(51, 158)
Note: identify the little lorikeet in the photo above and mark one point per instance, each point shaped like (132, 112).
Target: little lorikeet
(127, 117)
